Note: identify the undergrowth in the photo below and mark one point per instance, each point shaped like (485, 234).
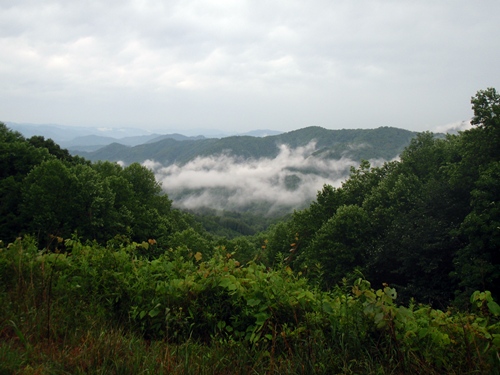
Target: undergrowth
(110, 310)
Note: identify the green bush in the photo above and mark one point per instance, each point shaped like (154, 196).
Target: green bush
(272, 316)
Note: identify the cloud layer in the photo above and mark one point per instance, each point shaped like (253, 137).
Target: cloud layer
(291, 180)
(249, 64)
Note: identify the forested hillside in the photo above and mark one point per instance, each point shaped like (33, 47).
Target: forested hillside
(384, 142)
(428, 224)
(49, 193)
(395, 271)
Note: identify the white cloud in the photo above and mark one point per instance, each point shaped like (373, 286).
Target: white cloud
(454, 127)
(291, 180)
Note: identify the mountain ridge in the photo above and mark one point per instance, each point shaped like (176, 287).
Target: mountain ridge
(380, 143)
(92, 138)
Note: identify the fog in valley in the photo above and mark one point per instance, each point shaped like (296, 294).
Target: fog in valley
(225, 182)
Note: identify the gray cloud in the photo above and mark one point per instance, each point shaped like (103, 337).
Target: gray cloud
(290, 180)
(246, 64)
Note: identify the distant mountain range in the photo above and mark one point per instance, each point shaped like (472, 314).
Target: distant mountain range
(77, 138)
(63, 133)
(91, 143)
(137, 145)
(356, 144)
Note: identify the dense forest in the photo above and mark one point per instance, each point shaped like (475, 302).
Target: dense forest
(395, 271)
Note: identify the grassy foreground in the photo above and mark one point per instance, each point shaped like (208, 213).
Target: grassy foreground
(108, 310)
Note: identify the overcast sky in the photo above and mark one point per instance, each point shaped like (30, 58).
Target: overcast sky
(243, 65)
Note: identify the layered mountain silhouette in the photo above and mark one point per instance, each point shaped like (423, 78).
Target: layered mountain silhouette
(356, 144)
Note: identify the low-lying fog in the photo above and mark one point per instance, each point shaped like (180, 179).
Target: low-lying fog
(291, 180)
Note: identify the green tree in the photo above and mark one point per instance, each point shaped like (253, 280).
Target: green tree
(93, 203)
(17, 159)
(149, 207)
(414, 213)
(17, 156)
(189, 242)
(60, 199)
(54, 149)
(341, 244)
(49, 202)
(486, 106)
(478, 263)
(119, 220)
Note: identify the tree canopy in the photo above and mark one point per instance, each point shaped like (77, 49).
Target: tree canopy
(47, 192)
(427, 224)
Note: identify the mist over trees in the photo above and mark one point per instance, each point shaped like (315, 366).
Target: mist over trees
(267, 176)
(265, 186)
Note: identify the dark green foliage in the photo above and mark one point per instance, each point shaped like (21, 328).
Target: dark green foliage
(427, 224)
(233, 224)
(50, 201)
(46, 192)
(190, 242)
(478, 263)
(341, 244)
(486, 105)
(58, 200)
(54, 149)
(17, 158)
(105, 310)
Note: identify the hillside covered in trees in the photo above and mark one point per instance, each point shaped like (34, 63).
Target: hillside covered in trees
(395, 271)
(384, 142)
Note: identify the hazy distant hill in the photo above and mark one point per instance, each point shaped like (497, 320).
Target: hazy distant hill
(62, 133)
(97, 140)
(381, 143)
(89, 139)
(177, 137)
(91, 143)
